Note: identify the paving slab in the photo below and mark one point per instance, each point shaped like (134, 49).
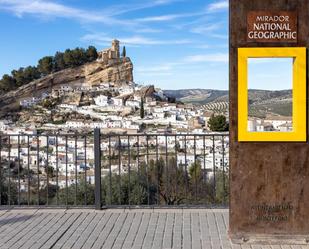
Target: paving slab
(120, 229)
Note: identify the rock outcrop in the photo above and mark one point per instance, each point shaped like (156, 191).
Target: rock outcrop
(117, 70)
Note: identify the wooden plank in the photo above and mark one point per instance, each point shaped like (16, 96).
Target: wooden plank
(139, 238)
(3, 212)
(95, 234)
(128, 243)
(159, 233)
(5, 221)
(105, 232)
(62, 222)
(41, 229)
(24, 236)
(190, 230)
(246, 246)
(78, 231)
(205, 234)
(121, 237)
(151, 229)
(236, 246)
(256, 247)
(10, 222)
(195, 231)
(222, 228)
(286, 247)
(21, 232)
(111, 238)
(167, 238)
(177, 231)
(60, 231)
(72, 229)
(17, 222)
(15, 231)
(88, 230)
(186, 230)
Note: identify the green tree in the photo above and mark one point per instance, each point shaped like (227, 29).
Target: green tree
(7, 83)
(81, 193)
(172, 179)
(49, 170)
(222, 187)
(142, 110)
(59, 63)
(91, 53)
(49, 190)
(23, 76)
(45, 65)
(18, 75)
(31, 73)
(218, 123)
(68, 58)
(124, 53)
(125, 189)
(79, 56)
(75, 57)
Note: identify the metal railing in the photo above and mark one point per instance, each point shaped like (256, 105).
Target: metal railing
(98, 170)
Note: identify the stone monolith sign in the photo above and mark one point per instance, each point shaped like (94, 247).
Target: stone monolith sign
(269, 181)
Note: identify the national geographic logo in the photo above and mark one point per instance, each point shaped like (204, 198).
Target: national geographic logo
(265, 26)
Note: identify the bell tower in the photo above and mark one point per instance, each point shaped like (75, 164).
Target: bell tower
(115, 48)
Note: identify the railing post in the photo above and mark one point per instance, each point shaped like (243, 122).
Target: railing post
(97, 167)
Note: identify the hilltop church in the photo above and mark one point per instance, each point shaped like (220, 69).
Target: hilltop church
(109, 53)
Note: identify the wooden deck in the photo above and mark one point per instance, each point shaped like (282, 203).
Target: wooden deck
(137, 228)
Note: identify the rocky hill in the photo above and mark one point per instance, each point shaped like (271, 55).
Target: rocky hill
(263, 102)
(260, 101)
(198, 96)
(115, 70)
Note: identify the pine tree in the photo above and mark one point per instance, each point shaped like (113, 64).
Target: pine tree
(124, 53)
(142, 111)
(218, 123)
(45, 65)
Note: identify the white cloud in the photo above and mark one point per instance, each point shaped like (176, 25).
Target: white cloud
(119, 9)
(157, 18)
(219, 36)
(50, 9)
(169, 17)
(147, 30)
(132, 40)
(184, 63)
(154, 74)
(202, 46)
(161, 68)
(218, 57)
(47, 9)
(218, 6)
(204, 29)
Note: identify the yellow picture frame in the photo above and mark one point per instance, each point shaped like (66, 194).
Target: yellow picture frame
(299, 131)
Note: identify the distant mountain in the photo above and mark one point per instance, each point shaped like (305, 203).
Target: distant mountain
(261, 102)
(198, 96)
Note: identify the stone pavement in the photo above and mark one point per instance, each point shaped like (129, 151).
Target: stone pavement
(118, 228)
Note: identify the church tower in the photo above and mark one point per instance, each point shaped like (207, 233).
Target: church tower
(115, 48)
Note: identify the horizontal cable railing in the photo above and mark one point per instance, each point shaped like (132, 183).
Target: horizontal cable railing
(132, 170)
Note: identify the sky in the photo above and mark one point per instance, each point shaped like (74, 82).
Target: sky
(174, 44)
(270, 73)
